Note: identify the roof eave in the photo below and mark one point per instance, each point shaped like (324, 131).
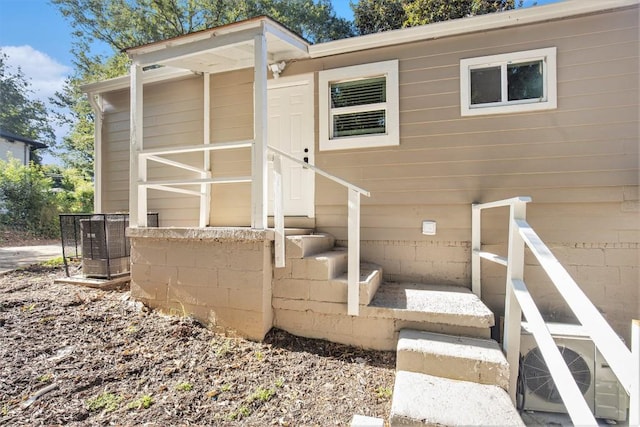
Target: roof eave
(492, 21)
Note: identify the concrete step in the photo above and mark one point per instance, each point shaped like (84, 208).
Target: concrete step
(301, 246)
(370, 280)
(436, 308)
(420, 399)
(322, 266)
(453, 357)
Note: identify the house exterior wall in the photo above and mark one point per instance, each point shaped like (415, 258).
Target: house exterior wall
(172, 117)
(16, 150)
(579, 162)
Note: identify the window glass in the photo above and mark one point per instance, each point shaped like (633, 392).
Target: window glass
(359, 106)
(358, 92)
(512, 82)
(363, 123)
(525, 81)
(485, 85)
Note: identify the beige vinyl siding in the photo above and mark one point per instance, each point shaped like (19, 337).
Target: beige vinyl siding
(579, 163)
(231, 120)
(173, 116)
(585, 151)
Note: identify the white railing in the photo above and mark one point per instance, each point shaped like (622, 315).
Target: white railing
(353, 224)
(173, 185)
(518, 301)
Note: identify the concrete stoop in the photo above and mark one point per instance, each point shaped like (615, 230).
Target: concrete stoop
(453, 357)
(436, 308)
(421, 399)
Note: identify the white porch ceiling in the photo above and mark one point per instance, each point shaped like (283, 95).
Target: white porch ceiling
(226, 48)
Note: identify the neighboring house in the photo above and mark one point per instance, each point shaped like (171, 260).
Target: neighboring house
(17, 147)
(539, 102)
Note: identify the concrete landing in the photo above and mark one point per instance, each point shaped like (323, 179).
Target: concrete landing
(453, 357)
(420, 399)
(433, 304)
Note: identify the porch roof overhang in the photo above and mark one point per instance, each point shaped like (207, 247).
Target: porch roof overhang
(215, 50)
(224, 48)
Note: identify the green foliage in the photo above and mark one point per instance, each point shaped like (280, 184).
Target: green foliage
(185, 386)
(107, 401)
(19, 113)
(123, 24)
(262, 395)
(372, 16)
(383, 392)
(143, 402)
(26, 197)
(53, 262)
(30, 202)
(420, 12)
(75, 194)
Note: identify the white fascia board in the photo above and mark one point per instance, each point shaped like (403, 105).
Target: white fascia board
(287, 36)
(122, 82)
(173, 52)
(473, 24)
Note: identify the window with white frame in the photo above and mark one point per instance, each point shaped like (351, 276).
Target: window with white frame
(508, 83)
(359, 106)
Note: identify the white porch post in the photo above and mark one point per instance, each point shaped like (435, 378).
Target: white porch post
(259, 153)
(137, 165)
(205, 189)
(96, 104)
(512, 310)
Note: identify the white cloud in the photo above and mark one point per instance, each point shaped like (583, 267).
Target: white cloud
(45, 74)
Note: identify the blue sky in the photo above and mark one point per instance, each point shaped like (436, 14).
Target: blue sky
(38, 39)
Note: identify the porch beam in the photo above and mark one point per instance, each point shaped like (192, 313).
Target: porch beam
(259, 168)
(173, 53)
(137, 164)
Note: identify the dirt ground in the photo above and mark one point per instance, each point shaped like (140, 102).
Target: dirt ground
(98, 358)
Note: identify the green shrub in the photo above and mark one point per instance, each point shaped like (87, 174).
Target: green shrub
(26, 199)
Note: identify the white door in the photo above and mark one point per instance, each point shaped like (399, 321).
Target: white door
(291, 129)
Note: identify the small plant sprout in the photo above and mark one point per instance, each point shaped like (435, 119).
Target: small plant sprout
(225, 387)
(143, 402)
(259, 355)
(185, 386)
(280, 382)
(108, 402)
(262, 394)
(45, 378)
(383, 392)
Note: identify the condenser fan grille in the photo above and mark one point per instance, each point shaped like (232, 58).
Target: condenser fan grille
(538, 379)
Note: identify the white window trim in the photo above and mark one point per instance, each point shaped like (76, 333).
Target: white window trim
(389, 69)
(548, 102)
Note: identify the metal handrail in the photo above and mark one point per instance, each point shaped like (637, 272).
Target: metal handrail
(353, 224)
(624, 363)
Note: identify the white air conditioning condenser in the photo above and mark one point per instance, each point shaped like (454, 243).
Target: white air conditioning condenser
(597, 382)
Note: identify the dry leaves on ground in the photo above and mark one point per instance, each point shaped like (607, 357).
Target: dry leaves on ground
(100, 358)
